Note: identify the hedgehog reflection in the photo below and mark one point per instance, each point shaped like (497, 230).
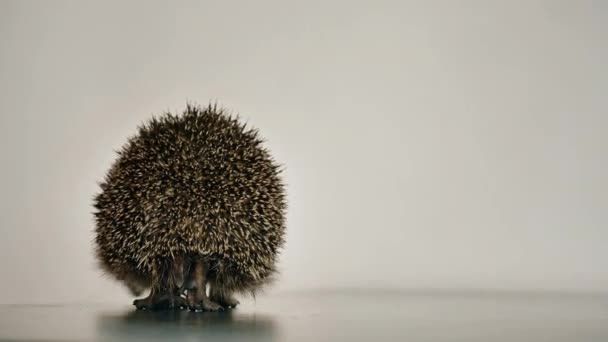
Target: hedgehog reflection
(185, 325)
(192, 201)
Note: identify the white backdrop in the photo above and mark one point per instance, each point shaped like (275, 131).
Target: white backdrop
(432, 144)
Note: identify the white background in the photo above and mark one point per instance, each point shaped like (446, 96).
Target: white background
(432, 144)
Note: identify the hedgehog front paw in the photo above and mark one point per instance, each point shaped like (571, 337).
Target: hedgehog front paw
(209, 305)
(226, 301)
(161, 302)
(206, 305)
(170, 302)
(230, 302)
(144, 304)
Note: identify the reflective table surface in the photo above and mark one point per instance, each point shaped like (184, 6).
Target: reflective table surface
(327, 316)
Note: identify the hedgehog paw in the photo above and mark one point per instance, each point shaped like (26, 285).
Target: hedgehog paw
(228, 302)
(144, 304)
(170, 302)
(231, 302)
(160, 302)
(207, 305)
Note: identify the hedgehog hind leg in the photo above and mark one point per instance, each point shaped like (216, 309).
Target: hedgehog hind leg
(197, 293)
(170, 295)
(165, 292)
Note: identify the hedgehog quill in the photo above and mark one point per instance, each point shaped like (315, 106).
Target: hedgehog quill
(193, 201)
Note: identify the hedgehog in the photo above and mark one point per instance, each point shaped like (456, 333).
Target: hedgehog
(191, 201)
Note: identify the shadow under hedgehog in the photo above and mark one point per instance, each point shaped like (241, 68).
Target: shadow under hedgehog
(193, 200)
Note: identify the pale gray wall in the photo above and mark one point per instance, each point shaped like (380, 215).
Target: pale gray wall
(446, 144)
